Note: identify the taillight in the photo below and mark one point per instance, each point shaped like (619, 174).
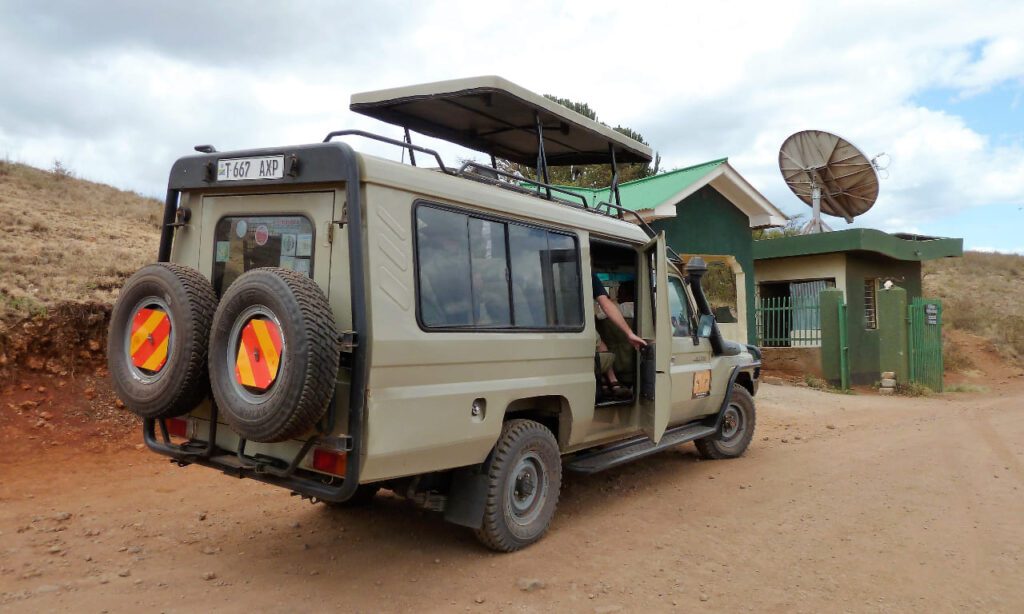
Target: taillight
(177, 427)
(329, 461)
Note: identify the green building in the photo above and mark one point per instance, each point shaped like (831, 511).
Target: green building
(790, 272)
(708, 210)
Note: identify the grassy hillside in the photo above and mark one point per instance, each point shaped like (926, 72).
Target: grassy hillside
(983, 294)
(68, 240)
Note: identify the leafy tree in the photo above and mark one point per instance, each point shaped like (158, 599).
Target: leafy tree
(587, 175)
(792, 227)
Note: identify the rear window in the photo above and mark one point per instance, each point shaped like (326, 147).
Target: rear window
(242, 243)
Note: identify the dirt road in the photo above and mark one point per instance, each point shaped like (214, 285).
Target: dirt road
(843, 503)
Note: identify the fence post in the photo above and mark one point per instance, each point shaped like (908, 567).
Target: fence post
(844, 350)
(833, 333)
(892, 332)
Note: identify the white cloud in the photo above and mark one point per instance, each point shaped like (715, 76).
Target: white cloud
(118, 92)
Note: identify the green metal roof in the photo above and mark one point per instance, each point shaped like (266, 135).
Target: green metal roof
(898, 247)
(650, 192)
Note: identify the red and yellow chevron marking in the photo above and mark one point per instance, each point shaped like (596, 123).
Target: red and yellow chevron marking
(259, 354)
(151, 331)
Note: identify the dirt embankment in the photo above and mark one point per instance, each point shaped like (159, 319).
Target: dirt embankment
(66, 338)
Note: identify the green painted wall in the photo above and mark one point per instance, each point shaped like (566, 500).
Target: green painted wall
(865, 351)
(892, 332)
(707, 223)
(830, 346)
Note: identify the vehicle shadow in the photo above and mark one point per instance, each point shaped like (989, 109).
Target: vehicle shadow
(370, 542)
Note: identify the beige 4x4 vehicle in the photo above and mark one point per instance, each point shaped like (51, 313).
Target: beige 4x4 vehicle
(335, 323)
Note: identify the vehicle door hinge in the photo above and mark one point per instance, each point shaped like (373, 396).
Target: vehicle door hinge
(330, 232)
(349, 341)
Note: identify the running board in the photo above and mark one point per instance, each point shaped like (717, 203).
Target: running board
(636, 447)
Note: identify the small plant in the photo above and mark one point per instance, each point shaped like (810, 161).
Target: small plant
(60, 170)
(912, 389)
(25, 305)
(817, 383)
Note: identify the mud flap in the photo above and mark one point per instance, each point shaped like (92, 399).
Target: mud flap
(467, 497)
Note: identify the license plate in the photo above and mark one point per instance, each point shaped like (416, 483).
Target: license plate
(242, 169)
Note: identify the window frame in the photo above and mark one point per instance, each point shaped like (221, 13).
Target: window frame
(871, 309)
(488, 217)
(690, 307)
(213, 253)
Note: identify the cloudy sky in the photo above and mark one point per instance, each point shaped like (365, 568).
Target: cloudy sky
(117, 90)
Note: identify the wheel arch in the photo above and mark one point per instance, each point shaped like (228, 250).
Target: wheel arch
(553, 411)
(745, 379)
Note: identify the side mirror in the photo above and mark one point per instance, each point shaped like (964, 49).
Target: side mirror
(705, 326)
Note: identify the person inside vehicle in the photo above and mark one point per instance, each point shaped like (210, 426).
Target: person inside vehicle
(610, 310)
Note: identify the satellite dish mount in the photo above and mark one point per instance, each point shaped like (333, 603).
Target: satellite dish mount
(828, 173)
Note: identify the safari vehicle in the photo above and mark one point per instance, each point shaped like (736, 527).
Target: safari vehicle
(334, 323)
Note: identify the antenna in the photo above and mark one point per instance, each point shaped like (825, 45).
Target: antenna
(831, 175)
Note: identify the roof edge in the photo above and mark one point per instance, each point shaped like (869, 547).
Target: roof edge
(858, 240)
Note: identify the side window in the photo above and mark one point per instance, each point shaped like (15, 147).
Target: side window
(565, 280)
(248, 242)
(490, 273)
(446, 296)
(527, 246)
(679, 308)
(478, 273)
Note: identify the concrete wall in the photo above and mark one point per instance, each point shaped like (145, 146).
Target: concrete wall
(803, 268)
(865, 350)
(792, 362)
(708, 223)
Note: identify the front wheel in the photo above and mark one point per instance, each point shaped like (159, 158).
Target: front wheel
(524, 478)
(737, 428)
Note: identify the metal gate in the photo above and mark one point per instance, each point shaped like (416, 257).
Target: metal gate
(925, 341)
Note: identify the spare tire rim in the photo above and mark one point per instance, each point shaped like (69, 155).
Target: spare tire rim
(527, 489)
(256, 349)
(149, 344)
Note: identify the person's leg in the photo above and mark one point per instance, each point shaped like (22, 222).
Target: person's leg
(615, 389)
(610, 372)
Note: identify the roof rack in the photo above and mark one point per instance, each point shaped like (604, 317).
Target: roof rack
(620, 212)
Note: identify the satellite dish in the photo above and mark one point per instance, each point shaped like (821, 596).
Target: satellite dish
(828, 173)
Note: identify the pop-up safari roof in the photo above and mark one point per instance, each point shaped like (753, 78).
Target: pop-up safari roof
(497, 117)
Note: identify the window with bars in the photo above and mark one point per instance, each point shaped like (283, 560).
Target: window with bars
(871, 304)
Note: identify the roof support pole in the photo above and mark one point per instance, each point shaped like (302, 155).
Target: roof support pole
(542, 157)
(412, 154)
(615, 178)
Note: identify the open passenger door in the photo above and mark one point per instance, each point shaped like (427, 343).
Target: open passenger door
(656, 379)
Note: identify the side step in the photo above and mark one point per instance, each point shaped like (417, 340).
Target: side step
(638, 447)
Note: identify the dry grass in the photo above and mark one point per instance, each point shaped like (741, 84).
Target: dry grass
(68, 240)
(983, 294)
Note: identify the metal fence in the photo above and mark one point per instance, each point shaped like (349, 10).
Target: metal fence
(925, 341)
(790, 321)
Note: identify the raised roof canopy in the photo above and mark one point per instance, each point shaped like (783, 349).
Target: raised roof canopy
(495, 116)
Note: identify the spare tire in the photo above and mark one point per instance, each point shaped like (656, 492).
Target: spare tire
(274, 354)
(156, 344)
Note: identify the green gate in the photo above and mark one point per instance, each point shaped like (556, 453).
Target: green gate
(925, 341)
